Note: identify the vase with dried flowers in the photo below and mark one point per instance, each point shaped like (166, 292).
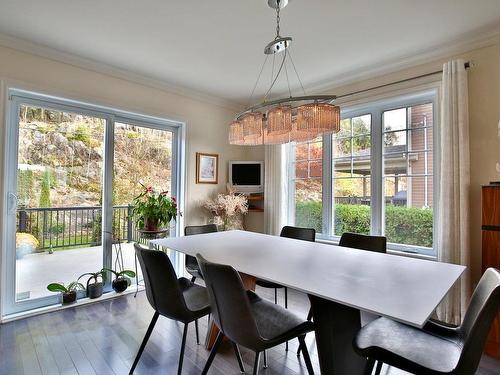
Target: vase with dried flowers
(228, 209)
(153, 210)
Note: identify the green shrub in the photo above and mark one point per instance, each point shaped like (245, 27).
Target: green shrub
(308, 214)
(405, 225)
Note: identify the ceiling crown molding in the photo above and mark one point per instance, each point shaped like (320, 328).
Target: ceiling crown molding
(102, 68)
(480, 38)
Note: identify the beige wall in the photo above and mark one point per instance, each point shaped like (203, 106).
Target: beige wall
(206, 129)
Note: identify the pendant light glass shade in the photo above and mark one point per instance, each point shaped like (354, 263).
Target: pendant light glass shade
(236, 136)
(317, 118)
(252, 128)
(300, 135)
(276, 139)
(279, 120)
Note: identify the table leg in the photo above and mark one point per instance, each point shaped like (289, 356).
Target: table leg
(336, 325)
(249, 283)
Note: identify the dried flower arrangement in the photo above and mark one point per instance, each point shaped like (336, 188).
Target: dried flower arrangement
(227, 209)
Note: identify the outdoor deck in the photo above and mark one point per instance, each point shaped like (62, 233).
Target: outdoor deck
(36, 271)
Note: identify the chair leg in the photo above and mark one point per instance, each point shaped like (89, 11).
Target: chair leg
(379, 367)
(183, 346)
(369, 366)
(310, 315)
(275, 296)
(286, 307)
(256, 364)
(197, 333)
(193, 279)
(144, 341)
(238, 357)
(213, 352)
(265, 359)
(307, 359)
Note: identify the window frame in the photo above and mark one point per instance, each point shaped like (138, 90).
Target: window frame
(375, 108)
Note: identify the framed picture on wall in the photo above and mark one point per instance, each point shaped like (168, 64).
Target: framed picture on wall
(207, 168)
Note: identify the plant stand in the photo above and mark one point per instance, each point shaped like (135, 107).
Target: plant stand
(147, 235)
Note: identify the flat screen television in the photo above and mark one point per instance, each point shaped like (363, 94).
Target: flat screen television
(247, 176)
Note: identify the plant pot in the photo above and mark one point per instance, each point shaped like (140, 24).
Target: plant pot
(94, 290)
(151, 224)
(69, 297)
(120, 284)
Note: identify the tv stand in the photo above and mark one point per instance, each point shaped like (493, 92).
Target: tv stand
(255, 202)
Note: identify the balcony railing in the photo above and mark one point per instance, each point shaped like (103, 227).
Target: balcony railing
(58, 227)
(366, 200)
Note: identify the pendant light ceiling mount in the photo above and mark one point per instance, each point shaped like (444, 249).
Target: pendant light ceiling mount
(283, 120)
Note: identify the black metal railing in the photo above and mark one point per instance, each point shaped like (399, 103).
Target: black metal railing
(57, 227)
(366, 200)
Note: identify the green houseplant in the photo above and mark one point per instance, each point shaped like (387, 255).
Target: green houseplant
(68, 292)
(153, 210)
(94, 286)
(122, 279)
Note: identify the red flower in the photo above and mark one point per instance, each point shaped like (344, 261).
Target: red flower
(149, 189)
(173, 198)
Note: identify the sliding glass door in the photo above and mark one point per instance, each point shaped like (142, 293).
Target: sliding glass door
(72, 172)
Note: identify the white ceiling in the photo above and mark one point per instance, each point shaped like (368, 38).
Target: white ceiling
(216, 46)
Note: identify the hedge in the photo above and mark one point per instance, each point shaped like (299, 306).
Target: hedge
(406, 225)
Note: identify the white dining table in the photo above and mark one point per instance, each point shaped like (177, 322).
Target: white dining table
(339, 281)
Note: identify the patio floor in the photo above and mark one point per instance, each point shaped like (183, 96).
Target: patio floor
(35, 271)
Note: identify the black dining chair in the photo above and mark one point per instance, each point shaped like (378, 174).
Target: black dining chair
(297, 233)
(190, 261)
(177, 299)
(246, 319)
(436, 349)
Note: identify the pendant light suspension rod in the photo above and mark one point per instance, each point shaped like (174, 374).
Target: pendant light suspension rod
(275, 78)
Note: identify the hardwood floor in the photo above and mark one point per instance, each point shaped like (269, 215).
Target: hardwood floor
(103, 338)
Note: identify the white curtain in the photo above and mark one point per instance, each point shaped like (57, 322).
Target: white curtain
(453, 242)
(275, 189)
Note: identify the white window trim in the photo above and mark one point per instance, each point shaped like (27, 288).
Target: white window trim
(376, 106)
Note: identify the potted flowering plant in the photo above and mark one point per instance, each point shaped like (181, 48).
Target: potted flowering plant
(153, 210)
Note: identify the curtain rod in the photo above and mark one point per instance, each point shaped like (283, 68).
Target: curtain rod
(467, 65)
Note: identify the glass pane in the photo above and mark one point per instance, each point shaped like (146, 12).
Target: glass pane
(408, 213)
(301, 151)
(143, 157)
(345, 128)
(394, 142)
(361, 125)
(420, 139)
(361, 146)
(301, 169)
(315, 168)
(394, 120)
(420, 163)
(316, 151)
(342, 147)
(59, 187)
(308, 204)
(352, 205)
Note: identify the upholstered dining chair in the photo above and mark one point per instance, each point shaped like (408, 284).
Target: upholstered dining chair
(297, 233)
(177, 299)
(246, 319)
(190, 261)
(436, 349)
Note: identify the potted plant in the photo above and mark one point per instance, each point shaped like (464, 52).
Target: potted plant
(68, 292)
(153, 210)
(95, 288)
(122, 279)
(227, 210)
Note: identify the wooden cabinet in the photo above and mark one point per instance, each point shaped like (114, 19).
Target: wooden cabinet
(490, 198)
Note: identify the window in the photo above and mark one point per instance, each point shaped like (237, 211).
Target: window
(375, 176)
